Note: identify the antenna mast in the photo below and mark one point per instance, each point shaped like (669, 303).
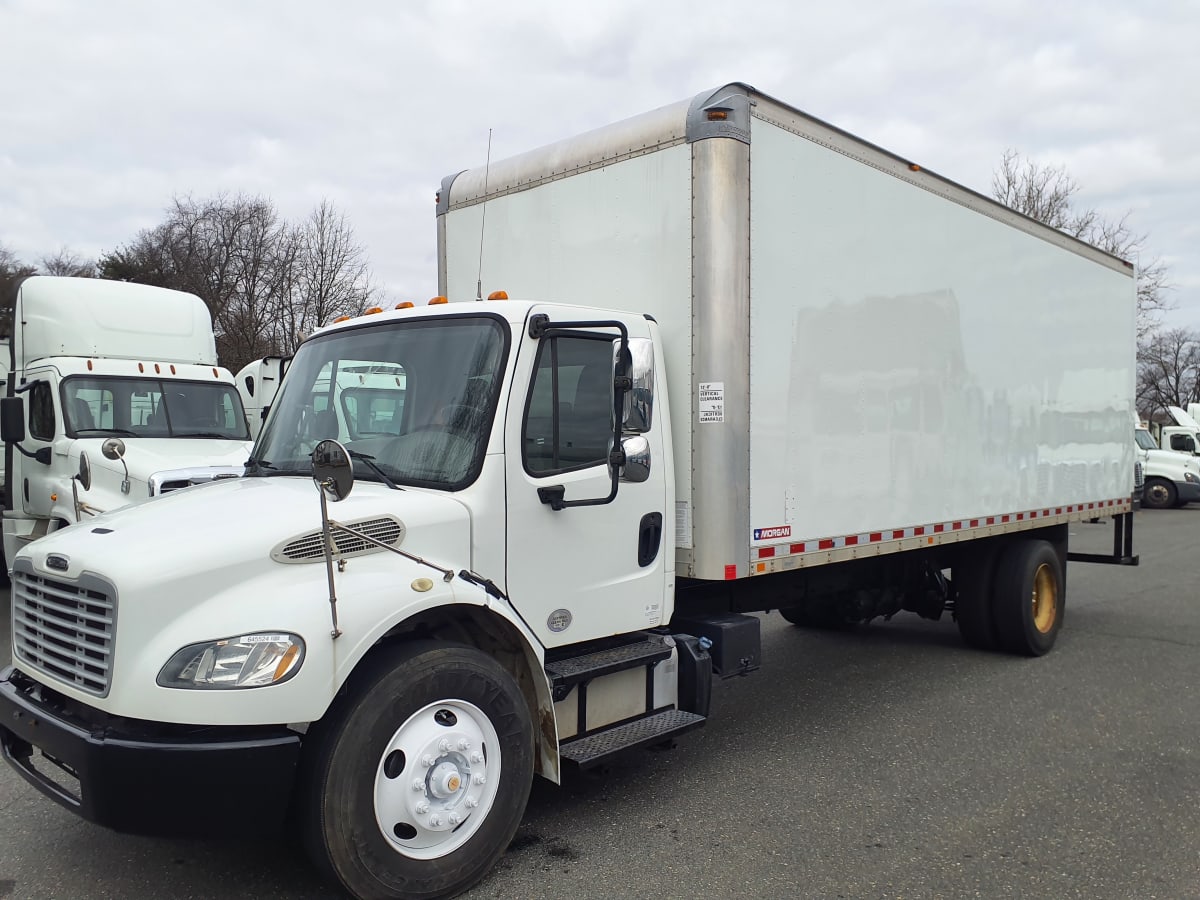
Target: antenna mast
(487, 166)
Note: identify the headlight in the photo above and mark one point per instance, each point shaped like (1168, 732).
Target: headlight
(252, 660)
(1188, 476)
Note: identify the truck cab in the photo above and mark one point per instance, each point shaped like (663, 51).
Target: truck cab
(1171, 479)
(123, 374)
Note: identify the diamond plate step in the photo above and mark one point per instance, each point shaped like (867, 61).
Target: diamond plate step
(574, 669)
(595, 748)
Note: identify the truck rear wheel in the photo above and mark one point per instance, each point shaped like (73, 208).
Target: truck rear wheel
(1159, 494)
(1029, 597)
(415, 784)
(973, 581)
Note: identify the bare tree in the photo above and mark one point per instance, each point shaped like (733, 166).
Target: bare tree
(1168, 371)
(1046, 193)
(68, 262)
(11, 268)
(266, 283)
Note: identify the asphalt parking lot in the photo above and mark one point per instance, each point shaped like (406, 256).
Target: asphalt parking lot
(886, 762)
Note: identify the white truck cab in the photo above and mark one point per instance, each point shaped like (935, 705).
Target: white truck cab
(1171, 478)
(125, 374)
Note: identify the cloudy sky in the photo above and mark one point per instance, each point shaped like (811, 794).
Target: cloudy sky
(109, 109)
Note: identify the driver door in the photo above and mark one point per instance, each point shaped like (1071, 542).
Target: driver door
(588, 571)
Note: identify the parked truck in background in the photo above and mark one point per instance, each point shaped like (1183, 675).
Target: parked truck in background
(587, 493)
(1182, 437)
(257, 383)
(87, 361)
(1171, 478)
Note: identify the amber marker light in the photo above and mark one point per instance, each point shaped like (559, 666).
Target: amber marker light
(341, 319)
(498, 295)
(717, 115)
(285, 661)
(405, 304)
(435, 301)
(373, 310)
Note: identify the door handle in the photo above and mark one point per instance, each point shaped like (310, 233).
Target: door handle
(649, 538)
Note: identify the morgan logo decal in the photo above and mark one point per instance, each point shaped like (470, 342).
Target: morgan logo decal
(767, 534)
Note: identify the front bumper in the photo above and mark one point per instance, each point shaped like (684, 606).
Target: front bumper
(1189, 491)
(146, 777)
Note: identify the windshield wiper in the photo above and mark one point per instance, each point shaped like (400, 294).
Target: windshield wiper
(253, 463)
(80, 432)
(370, 461)
(204, 434)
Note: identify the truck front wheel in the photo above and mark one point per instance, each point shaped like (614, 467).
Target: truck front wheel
(1159, 494)
(415, 783)
(1029, 597)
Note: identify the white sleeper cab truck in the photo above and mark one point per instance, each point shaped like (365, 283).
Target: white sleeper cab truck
(1172, 479)
(579, 512)
(122, 375)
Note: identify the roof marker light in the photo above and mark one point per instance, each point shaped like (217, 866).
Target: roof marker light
(373, 310)
(434, 301)
(498, 295)
(341, 319)
(405, 304)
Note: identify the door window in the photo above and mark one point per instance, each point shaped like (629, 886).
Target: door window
(569, 417)
(41, 411)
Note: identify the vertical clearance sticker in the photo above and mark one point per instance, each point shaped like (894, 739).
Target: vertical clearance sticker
(712, 402)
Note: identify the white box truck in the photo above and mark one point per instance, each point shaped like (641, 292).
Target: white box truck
(95, 365)
(794, 373)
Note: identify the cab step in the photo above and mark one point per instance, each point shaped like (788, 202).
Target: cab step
(593, 749)
(572, 670)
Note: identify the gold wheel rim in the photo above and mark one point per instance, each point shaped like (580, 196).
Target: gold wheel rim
(1045, 599)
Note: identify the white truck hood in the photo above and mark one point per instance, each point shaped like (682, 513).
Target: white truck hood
(247, 518)
(1182, 418)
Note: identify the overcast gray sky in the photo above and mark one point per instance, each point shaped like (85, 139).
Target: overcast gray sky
(108, 109)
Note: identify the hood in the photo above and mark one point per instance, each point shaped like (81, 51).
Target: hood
(154, 465)
(234, 530)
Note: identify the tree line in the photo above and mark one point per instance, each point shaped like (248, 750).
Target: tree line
(267, 282)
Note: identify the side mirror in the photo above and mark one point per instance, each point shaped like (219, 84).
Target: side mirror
(637, 459)
(113, 448)
(332, 470)
(85, 472)
(638, 412)
(12, 420)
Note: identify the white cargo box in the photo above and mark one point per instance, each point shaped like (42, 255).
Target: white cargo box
(877, 358)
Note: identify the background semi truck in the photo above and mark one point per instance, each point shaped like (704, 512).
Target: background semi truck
(577, 513)
(87, 360)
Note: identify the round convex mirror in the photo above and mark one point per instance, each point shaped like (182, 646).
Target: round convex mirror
(113, 448)
(332, 470)
(85, 472)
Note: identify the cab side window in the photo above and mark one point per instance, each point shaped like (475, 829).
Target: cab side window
(569, 416)
(41, 411)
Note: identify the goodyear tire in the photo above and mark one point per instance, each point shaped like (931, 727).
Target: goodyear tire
(417, 779)
(1029, 598)
(973, 580)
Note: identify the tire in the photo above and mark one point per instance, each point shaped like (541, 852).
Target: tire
(415, 782)
(1159, 494)
(1029, 598)
(973, 580)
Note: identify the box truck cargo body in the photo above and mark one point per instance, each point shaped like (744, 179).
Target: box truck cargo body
(864, 348)
(751, 363)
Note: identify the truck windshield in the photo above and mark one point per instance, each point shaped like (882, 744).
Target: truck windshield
(97, 405)
(1144, 440)
(415, 398)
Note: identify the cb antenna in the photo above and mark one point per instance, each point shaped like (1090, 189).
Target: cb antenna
(483, 219)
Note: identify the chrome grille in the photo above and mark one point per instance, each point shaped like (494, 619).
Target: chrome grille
(311, 547)
(65, 629)
(1139, 475)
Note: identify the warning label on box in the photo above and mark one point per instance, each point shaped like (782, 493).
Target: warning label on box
(712, 402)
